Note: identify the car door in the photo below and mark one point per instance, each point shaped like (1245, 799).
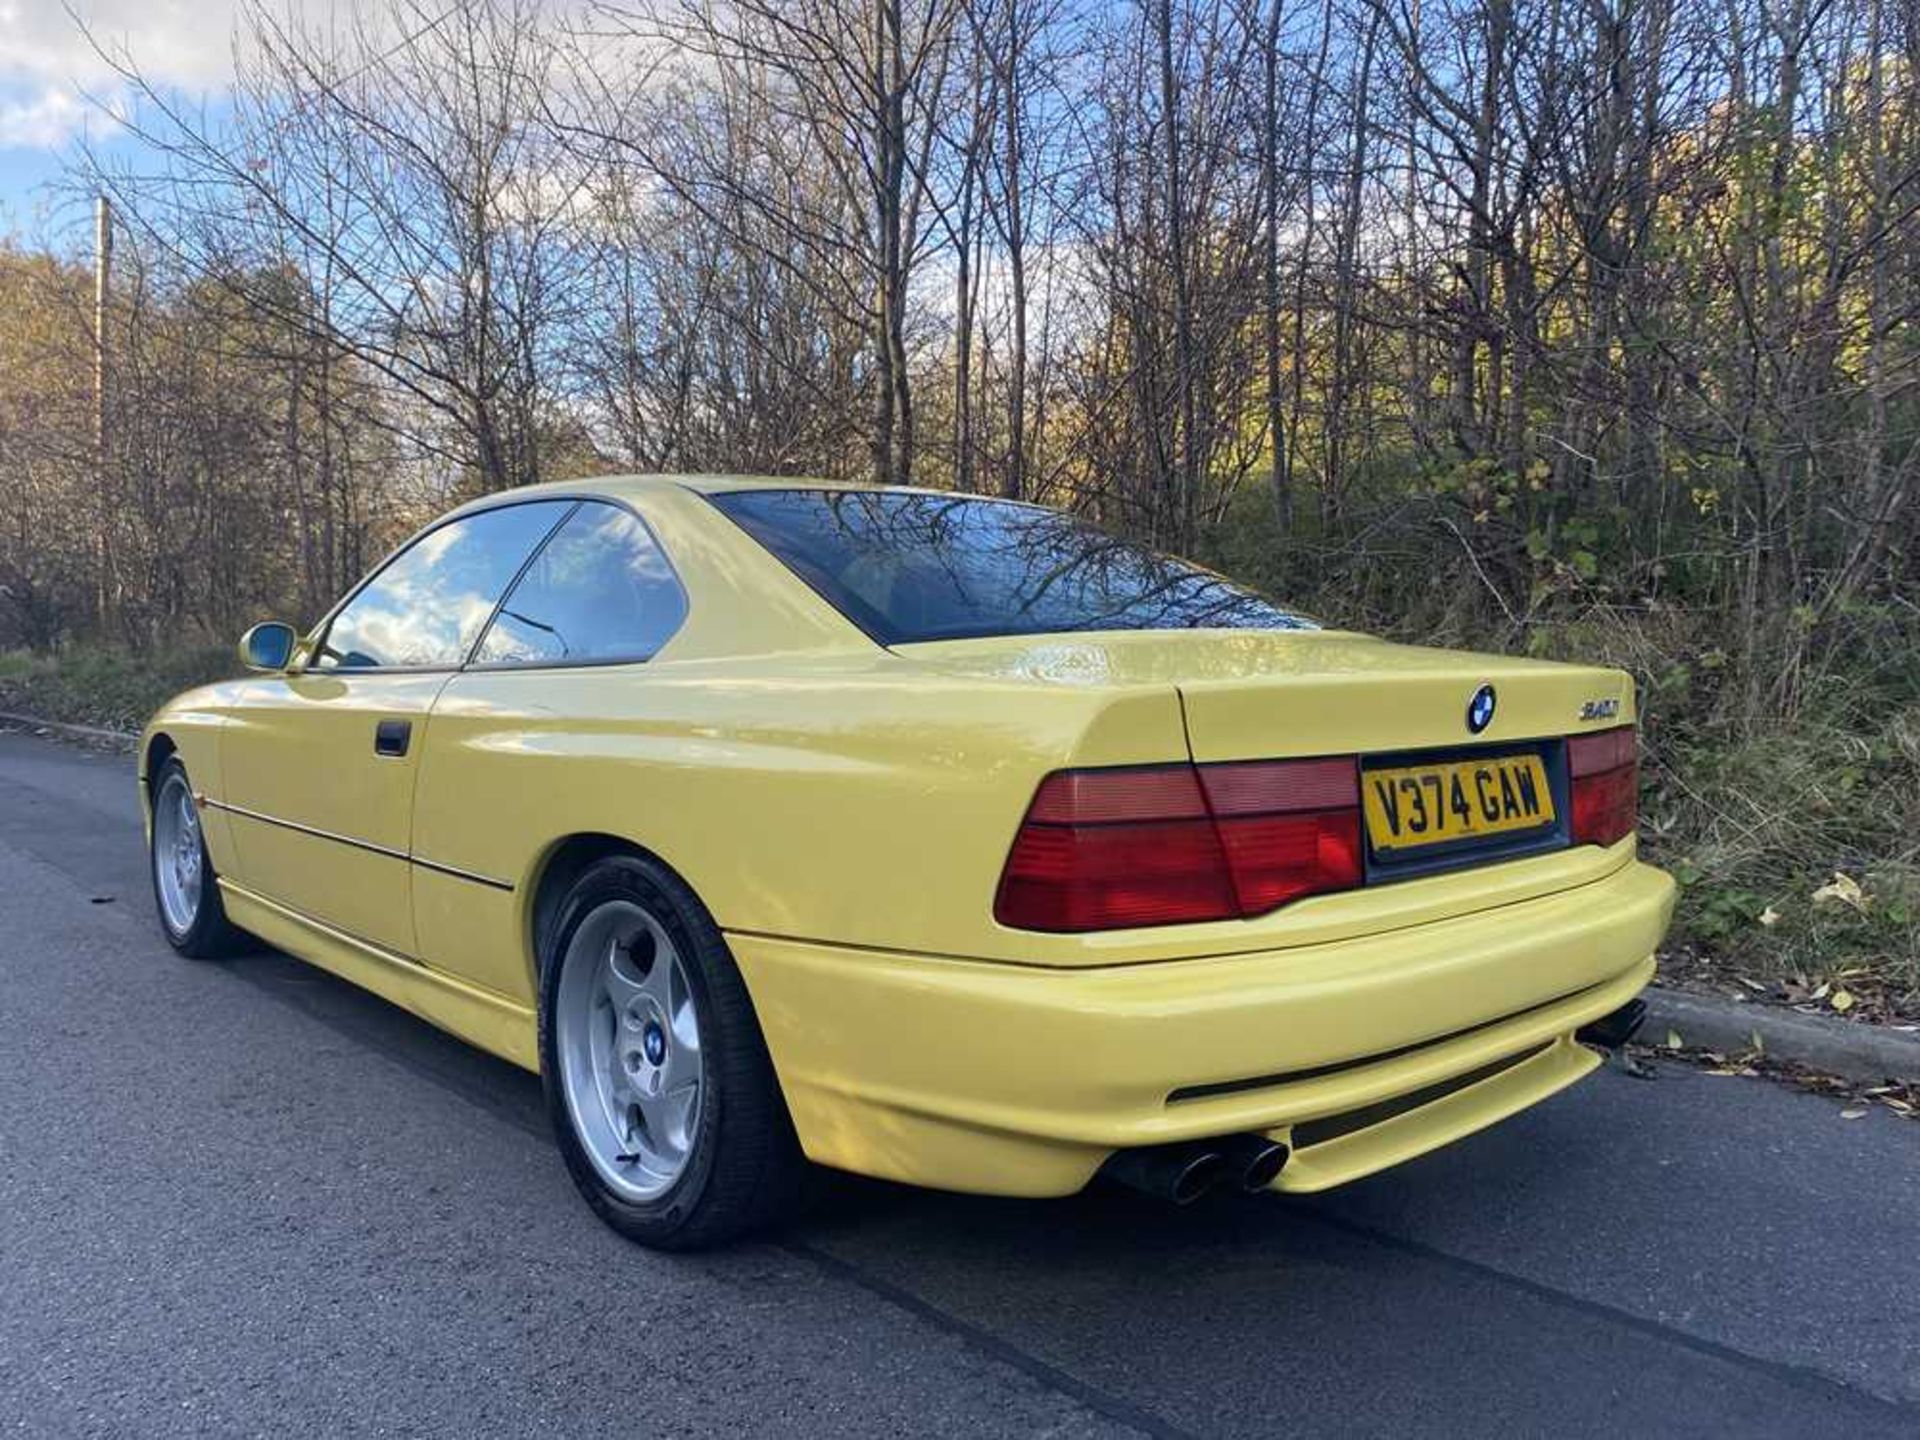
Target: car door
(533, 716)
(318, 764)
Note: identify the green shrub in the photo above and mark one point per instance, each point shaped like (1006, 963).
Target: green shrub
(99, 685)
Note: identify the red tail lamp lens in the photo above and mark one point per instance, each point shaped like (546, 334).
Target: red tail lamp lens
(1169, 844)
(1606, 786)
(1290, 827)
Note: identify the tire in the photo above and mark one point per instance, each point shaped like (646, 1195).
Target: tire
(186, 889)
(658, 1083)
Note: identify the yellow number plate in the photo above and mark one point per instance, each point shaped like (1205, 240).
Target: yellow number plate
(1457, 800)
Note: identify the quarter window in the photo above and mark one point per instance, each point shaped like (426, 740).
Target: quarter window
(600, 590)
(427, 607)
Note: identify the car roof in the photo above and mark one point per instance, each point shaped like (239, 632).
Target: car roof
(719, 484)
(624, 485)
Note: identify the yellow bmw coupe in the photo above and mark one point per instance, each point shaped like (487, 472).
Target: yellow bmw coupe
(933, 837)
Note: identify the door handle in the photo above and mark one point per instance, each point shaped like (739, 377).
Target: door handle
(390, 737)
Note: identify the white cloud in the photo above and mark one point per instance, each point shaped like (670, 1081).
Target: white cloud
(184, 40)
(49, 68)
(37, 120)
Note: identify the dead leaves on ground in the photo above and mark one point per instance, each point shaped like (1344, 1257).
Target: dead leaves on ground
(1859, 1099)
(1857, 992)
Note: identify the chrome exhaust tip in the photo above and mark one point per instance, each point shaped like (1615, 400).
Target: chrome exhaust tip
(1178, 1174)
(1256, 1159)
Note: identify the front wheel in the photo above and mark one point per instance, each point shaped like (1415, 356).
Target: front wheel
(658, 1081)
(185, 888)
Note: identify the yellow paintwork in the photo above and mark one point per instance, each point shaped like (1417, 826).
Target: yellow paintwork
(844, 811)
(300, 747)
(1020, 1080)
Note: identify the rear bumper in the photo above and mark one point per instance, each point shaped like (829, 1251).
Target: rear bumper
(1019, 1080)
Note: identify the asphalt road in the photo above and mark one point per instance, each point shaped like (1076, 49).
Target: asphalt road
(245, 1198)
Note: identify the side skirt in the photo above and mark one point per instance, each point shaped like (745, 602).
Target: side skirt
(480, 1017)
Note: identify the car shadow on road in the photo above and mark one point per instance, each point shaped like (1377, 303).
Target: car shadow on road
(502, 1089)
(1099, 1226)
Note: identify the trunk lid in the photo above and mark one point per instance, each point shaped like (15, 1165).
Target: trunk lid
(1249, 695)
(1262, 694)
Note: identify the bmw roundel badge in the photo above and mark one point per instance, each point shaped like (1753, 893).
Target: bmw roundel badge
(1480, 709)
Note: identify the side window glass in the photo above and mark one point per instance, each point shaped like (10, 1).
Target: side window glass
(426, 608)
(601, 590)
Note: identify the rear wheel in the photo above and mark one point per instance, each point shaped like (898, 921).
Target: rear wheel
(658, 1081)
(185, 888)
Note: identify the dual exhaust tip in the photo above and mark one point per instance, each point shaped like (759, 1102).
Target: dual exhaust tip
(1182, 1173)
(1610, 1032)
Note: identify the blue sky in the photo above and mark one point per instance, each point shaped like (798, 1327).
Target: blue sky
(53, 83)
(23, 169)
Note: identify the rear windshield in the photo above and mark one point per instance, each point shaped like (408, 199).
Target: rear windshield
(907, 567)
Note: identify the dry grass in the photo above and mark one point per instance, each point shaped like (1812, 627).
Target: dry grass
(1794, 831)
(91, 685)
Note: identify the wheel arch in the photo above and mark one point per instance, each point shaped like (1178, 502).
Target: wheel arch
(559, 865)
(564, 861)
(160, 748)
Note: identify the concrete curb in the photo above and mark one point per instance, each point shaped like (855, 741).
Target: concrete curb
(124, 738)
(1851, 1049)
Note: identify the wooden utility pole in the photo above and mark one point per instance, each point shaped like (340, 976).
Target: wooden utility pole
(102, 271)
(102, 281)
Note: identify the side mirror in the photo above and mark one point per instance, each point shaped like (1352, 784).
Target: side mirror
(268, 646)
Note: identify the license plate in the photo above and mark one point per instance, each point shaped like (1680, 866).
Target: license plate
(1455, 800)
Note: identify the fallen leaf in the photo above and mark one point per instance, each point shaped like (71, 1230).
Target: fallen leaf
(1855, 1114)
(1674, 1042)
(1843, 889)
(1842, 1001)
(1769, 916)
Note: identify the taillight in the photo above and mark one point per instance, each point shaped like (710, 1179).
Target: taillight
(1169, 844)
(1105, 849)
(1606, 786)
(1289, 827)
